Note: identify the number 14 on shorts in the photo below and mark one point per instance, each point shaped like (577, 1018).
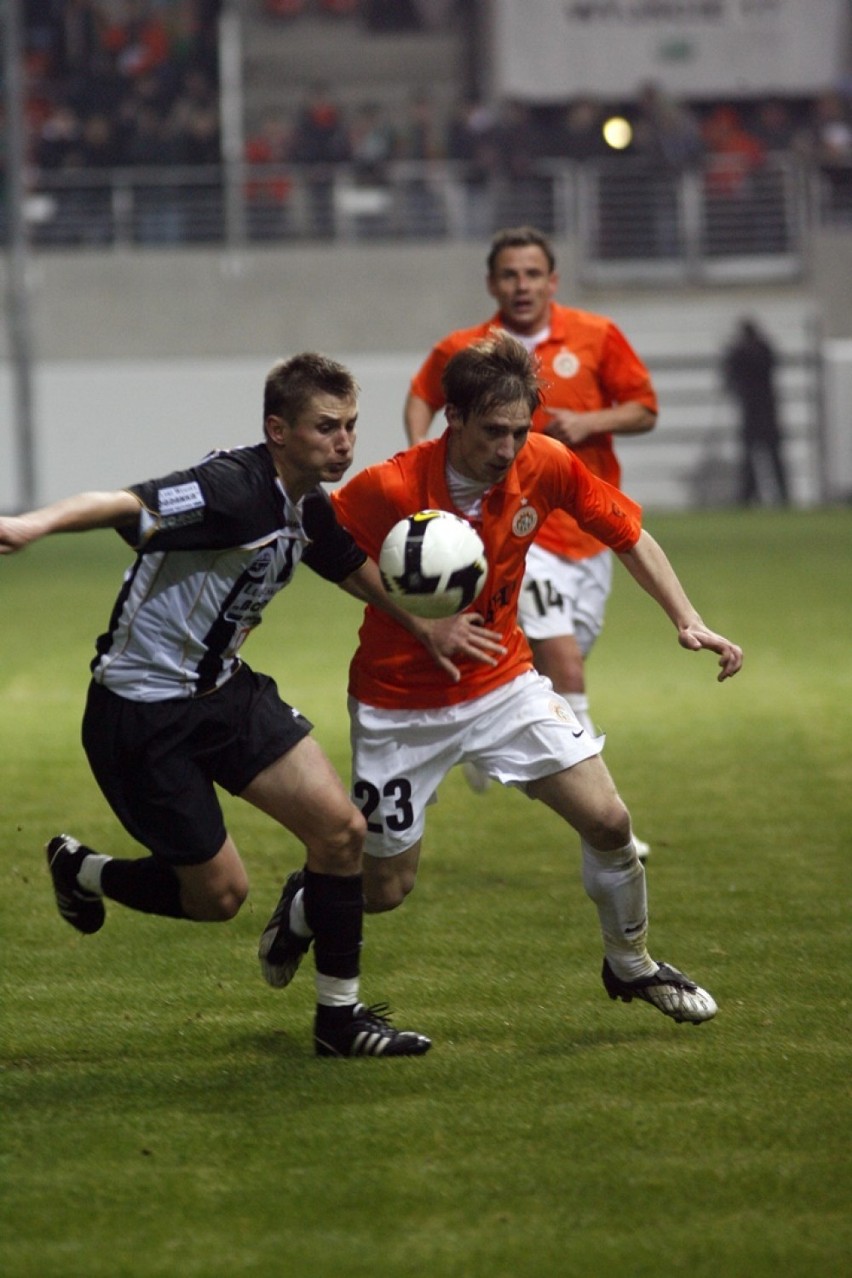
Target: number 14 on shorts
(545, 596)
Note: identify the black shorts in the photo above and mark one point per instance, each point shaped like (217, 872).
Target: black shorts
(157, 761)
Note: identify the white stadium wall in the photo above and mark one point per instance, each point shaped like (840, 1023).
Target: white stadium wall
(146, 360)
(838, 420)
(105, 424)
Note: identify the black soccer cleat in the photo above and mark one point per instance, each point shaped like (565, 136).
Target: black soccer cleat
(280, 950)
(83, 910)
(364, 1031)
(668, 990)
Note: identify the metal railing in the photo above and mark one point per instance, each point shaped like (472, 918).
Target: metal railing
(707, 224)
(629, 219)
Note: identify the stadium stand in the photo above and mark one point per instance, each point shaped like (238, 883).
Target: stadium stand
(125, 152)
(123, 120)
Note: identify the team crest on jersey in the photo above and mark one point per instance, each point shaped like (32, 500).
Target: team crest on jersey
(566, 364)
(525, 521)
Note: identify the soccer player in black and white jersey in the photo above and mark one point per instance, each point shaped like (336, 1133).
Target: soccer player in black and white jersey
(172, 709)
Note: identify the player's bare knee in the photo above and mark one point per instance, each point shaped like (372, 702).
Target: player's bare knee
(384, 892)
(218, 906)
(229, 903)
(572, 676)
(561, 660)
(380, 902)
(340, 851)
(609, 828)
(388, 896)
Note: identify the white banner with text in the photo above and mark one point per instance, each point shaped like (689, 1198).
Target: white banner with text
(555, 50)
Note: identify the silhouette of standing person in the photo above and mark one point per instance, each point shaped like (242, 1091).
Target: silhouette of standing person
(748, 368)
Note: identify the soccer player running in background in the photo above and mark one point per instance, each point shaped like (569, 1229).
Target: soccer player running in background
(172, 709)
(594, 386)
(411, 723)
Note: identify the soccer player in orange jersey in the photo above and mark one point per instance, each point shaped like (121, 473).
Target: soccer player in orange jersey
(411, 722)
(594, 386)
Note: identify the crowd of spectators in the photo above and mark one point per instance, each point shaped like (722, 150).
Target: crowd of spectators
(134, 83)
(120, 82)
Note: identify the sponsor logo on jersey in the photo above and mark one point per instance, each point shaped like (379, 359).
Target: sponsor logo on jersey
(179, 499)
(498, 601)
(259, 565)
(266, 573)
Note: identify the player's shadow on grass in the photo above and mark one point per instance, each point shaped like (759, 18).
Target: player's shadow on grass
(580, 1042)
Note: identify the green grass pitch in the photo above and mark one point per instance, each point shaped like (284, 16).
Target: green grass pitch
(163, 1114)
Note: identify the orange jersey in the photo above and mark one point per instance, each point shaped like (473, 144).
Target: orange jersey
(587, 364)
(391, 669)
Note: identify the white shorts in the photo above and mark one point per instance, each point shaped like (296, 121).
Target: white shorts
(564, 596)
(517, 734)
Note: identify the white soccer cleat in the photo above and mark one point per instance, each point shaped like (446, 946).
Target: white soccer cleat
(643, 849)
(669, 990)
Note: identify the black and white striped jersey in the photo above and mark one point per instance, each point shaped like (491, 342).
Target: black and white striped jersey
(214, 543)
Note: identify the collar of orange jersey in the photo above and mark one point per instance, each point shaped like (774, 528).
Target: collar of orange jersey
(511, 485)
(557, 319)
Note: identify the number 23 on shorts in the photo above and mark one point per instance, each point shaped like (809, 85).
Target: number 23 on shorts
(369, 798)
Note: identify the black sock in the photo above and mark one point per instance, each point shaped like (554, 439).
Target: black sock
(147, 885)
(334, 1018)
(334, 911)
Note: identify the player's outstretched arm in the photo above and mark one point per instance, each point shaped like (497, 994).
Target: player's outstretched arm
(649, 566)
(70, 514)
(463, 635)
(696, 636)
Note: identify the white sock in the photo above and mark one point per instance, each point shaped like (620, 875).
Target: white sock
(579, 703)
(89, 873)
(335, 991)
(615, 881)
(298, 922)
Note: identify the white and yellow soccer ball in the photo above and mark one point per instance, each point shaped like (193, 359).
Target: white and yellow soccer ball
(433, 563)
